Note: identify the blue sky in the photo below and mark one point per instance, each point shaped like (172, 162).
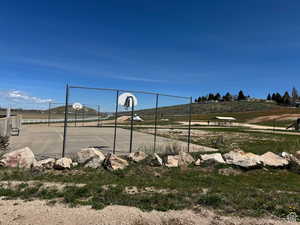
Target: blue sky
(187, 48)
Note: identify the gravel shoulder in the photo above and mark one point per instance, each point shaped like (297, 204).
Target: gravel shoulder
(38, 212)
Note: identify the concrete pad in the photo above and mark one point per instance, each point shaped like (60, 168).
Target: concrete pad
(47, 141)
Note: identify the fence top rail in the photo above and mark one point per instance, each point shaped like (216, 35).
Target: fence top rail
(140, 92)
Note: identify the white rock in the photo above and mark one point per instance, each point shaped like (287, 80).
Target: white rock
(172, 161)
(74, 164)
(285, 155)
(242, 159)
(293, 161)
(198, 162)
(86, 154)
(216, 157)
(95, 162)
(63, 163)
(45, 163)
(273, 160)
(185, 159)
(113, 162)
(297, 154)
(156, 160)
(137, 156)
(22, 158)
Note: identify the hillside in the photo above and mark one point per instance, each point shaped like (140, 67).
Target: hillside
(218, 107)
(61, 109)
(58, 110)
(242, 111)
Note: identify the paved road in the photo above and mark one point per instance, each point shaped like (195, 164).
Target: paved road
(47, 141)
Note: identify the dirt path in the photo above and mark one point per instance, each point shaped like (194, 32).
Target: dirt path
(252, 126)
(13, 212)
(289, 116)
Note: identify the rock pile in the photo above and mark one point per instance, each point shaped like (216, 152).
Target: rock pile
(93, 158)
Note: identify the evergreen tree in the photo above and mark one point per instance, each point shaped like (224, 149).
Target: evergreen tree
(274, 97)
(269, 97)
(278, 98)
(241, 96)
(286, 99)
(227, 97)
(217, 97)
(211, 97)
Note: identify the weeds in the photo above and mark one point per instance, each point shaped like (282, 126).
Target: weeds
(250, 193)
(212, 200)
(4, 144)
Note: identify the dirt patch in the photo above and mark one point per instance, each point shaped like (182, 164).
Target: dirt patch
(281, 117)
(44, 185)
(134, 190)
(39, 212)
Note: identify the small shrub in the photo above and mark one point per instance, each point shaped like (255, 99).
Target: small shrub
(176, 221)
(170, 149)
(4, 144)
(212, 200)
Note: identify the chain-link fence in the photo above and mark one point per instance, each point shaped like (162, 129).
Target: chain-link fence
(94, 117)
(146, 124)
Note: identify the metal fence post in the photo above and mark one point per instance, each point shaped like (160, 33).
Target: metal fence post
(75, 118)
(98, 114)
(190, 120)
(83, 115)
(116, 117)
(155, 122)
(49, 114)
(66, 120)
(131, 125)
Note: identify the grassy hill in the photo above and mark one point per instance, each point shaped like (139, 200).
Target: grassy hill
(61, 109)
(217, 107)
(241, 110)
(56, 112)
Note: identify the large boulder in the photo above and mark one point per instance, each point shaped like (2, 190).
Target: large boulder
(294, 162)
(156, 160)
(242, 159)
(45, 163)
(185, 159)
(87, 154)
(137, 156)
(216, 157)
(113, 162)
(94, 162)
(22, 158)
(297, 154)
(273, 160)
(172, 161)
(63, 163)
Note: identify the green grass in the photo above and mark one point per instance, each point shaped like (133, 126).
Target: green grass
(277, 123)
(252, 193)
(238, 137)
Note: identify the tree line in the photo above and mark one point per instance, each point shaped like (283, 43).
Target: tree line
(226, 98)
(286, 98)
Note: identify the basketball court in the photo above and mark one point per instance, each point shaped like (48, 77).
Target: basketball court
(47, 141)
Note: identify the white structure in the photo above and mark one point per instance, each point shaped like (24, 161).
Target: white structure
(223, 120)
(137, 118)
